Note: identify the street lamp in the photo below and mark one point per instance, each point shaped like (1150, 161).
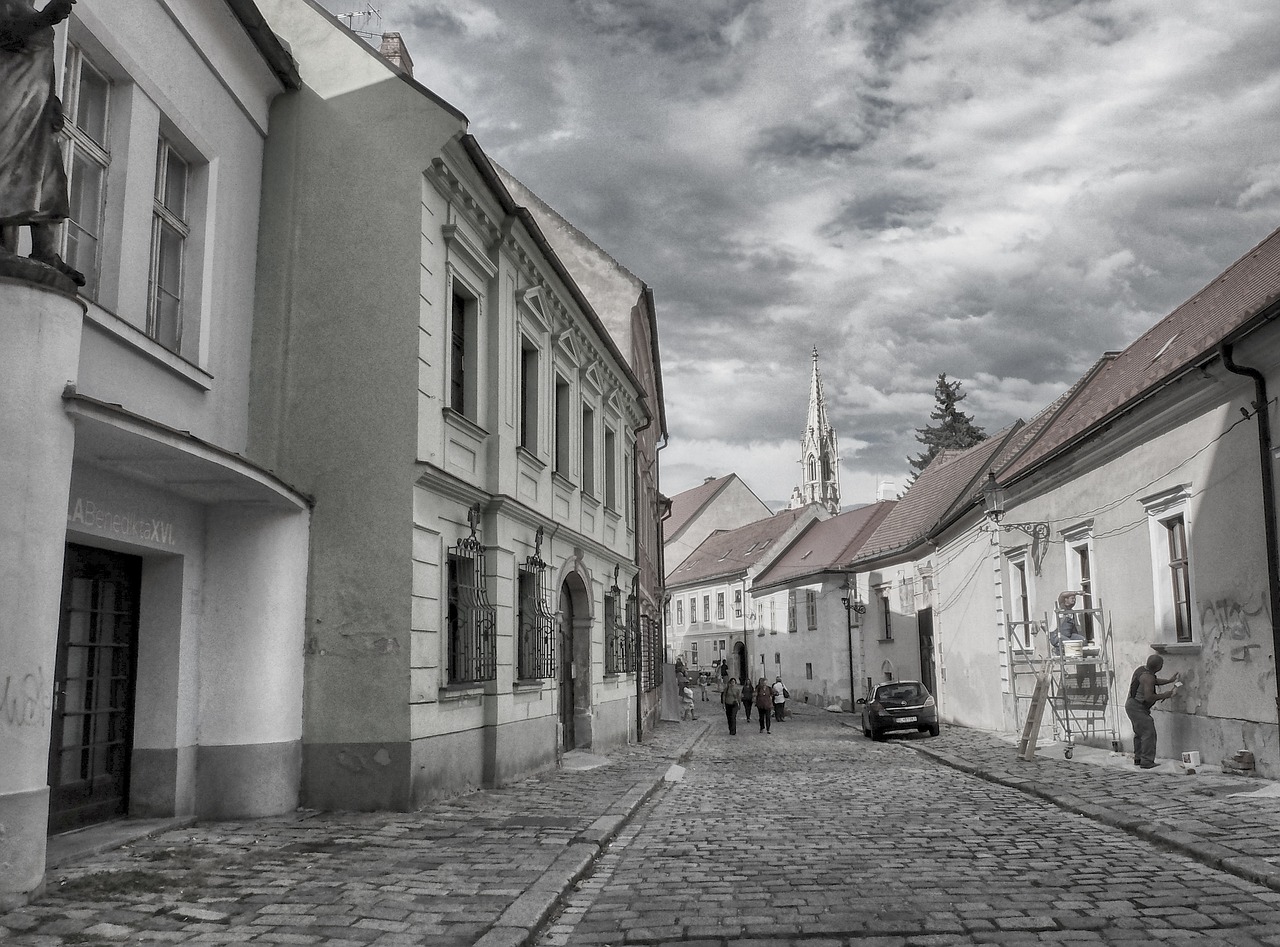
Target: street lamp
(853, 605)
(993, 507)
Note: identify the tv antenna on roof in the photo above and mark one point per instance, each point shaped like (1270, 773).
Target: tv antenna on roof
(366, 22)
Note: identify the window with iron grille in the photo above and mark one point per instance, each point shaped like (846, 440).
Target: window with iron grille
(651, 651)
(471, 619)
(615, 634)
(536, 635)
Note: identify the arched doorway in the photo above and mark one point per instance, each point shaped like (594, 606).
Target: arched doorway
(565, 671)
(741, 670)
(574, 672)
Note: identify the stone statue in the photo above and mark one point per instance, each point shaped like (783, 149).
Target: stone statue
(33, 181)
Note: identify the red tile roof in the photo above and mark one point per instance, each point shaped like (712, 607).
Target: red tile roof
(950, 482)
(731, 551)
(684, 506)
(825, 546)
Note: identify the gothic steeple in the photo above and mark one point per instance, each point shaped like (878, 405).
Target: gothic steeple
(819, 453)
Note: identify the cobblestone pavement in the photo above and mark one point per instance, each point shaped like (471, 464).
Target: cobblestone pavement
(811, 834)
(486, 868)
(816, 835)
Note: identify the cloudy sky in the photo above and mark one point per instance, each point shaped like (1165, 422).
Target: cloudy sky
(996, 190)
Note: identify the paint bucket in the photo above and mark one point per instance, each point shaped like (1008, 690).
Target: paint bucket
(1073, 648)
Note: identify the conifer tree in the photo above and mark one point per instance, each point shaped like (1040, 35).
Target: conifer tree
(954, 429)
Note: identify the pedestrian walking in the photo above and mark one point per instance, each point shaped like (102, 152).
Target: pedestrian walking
(702, 684)
(1142, 697)
(748, 698)
(780, 695)
(686, 704)
(731, 696)
(764, 705)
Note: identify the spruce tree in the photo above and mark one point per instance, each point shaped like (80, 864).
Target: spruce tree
(954, 429)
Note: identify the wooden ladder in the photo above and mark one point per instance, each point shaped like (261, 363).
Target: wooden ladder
(1035, 713)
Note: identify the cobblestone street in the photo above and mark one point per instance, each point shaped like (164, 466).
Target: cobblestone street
(811, 834)
(816, 831)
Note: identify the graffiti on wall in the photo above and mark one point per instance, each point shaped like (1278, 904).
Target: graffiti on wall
(25, 699)
(1236, 627)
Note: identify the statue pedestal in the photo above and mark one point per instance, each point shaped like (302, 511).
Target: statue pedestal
(40, 326)
(13, 266)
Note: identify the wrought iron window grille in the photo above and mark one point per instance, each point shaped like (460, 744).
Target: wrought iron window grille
(538, 631)
(472, 619)
(617, 636)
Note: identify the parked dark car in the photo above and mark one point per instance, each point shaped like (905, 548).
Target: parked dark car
(899, 705)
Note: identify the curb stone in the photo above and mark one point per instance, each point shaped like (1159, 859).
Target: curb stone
(524, 918)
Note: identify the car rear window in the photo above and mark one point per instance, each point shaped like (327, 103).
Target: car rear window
(901, 692)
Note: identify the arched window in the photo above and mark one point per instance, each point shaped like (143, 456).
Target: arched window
(813, 469)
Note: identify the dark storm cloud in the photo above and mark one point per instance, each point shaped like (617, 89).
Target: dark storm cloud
(883, 211)
(437, 19)
(684, 31)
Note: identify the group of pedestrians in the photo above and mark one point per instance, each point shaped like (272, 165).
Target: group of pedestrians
(770, 702)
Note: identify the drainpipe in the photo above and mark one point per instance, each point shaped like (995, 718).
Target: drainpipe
(1261, 408)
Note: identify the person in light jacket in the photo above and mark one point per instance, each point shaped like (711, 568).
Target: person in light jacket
(779, 700)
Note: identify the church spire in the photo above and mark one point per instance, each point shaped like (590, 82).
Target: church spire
(819, 452)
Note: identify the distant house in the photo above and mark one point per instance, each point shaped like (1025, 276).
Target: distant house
(713, 617)
(806, 577)
(717, 503)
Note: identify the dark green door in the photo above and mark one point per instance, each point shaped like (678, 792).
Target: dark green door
(93, 688)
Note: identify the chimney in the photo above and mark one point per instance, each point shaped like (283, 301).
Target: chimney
(396, 53)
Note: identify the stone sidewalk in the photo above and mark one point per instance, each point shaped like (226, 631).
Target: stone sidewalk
(1227, 822)
(486, 869)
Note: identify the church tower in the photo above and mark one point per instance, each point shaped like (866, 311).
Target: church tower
(819, 453)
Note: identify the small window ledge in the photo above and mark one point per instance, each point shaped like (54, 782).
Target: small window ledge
(529, 686)
(530, 458)
(458, 692)
(1179, 647)
(465, 423)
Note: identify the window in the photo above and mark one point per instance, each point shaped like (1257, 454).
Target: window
(706, 608)
(459, 346)
(719, 606)
(679, 611)
(588, 451)
(472, 647)
(791, 610)
(1079, 541)
(693, 649)
(169, 231)
(610, 470)
(536, 635)
(811, 608)
(617, 641)
(1020, 627)
(737, 603)
(529, 396)
(693, 611)
(1179, 575)
(886, 612)
(808, 672)
(562, 426)
(1171, 531)
(87, 97)
(813, 470)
